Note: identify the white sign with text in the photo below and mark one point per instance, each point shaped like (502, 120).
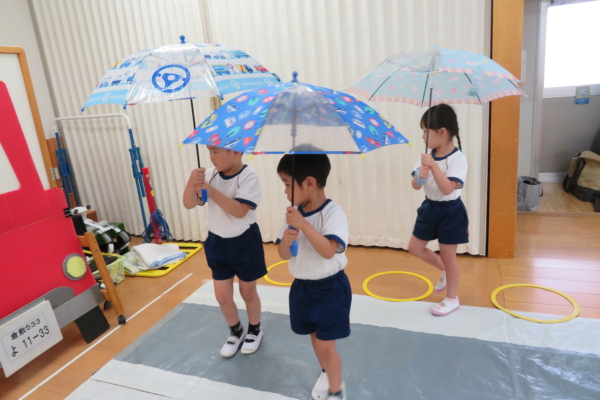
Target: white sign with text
(27, 336)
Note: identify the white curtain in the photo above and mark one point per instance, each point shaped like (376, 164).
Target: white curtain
(332, 43)
(329, 42)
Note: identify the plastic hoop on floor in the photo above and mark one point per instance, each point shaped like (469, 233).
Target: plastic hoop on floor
(272, 281)
(427, 281)
(541, 321)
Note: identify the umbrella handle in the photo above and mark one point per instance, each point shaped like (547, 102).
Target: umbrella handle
(294, 246)
(418, 179)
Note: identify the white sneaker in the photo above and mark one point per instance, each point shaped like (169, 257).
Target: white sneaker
(321, 389)
(441, 285)
(252, 343)
(232, 345)
(338, 397)
(445, 307)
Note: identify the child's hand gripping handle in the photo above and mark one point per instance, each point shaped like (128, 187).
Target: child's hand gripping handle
(294, 217)
(294, 246)
(418, 179)
(199, 180)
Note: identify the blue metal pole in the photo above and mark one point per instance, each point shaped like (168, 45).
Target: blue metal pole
(66, 173)
(136, 166)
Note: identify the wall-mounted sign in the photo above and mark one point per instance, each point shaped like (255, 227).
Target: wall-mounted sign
(582, 95)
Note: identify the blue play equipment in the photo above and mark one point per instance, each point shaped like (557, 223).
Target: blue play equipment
(66, 172)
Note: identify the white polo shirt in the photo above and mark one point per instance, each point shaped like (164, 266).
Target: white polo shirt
(243, 187)
(454, 166)
(330, 221)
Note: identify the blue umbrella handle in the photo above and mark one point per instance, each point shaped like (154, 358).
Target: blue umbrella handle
(294, 246)
(418, 179)
(204, 196)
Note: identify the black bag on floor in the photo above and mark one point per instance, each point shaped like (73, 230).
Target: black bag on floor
(583, 179)
(529, 192)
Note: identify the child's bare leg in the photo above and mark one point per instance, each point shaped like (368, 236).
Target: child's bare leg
(330, 361)
(417, 248)
(448, 258)
(250, 296)
(224, 295)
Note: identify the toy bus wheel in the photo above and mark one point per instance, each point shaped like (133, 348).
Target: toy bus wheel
(105, 247)
(121, 319)
(125, 236)
(107, 305)
(122, 243)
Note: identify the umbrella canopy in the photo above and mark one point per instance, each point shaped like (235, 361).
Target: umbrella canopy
(454, 77)
(180, 71)
(277, 119)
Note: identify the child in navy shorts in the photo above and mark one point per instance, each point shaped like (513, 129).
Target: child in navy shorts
(320, 295)
(442, 215)
(234, 244)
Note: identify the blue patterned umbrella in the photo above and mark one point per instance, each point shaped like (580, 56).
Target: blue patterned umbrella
(277, 119)
(296, 118)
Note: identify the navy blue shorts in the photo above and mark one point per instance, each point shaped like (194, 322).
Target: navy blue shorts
(242, 256)
(446, 221)
(321, 306)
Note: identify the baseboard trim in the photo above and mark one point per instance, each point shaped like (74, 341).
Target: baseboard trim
(560, 213)
(552, 176)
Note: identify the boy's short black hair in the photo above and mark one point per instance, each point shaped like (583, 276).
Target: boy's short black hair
(305, 165)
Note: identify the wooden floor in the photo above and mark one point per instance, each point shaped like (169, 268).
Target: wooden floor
(562, 252)
(558, 202)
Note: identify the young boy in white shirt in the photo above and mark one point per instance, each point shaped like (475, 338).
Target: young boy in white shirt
(234, 244)
(320, 295)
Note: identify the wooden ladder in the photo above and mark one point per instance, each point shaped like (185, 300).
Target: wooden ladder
(110, 293)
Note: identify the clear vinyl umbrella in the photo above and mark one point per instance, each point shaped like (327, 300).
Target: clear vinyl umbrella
(427, 78)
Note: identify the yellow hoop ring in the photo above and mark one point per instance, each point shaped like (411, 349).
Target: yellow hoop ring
(541, 321)
(427, 281)
(272, 281)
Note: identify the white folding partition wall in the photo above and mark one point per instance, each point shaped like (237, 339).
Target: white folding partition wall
(329, 42)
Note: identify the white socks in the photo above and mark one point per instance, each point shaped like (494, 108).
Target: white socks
(441, 285)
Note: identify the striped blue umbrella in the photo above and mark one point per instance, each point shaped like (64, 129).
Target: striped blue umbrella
(179, 72)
